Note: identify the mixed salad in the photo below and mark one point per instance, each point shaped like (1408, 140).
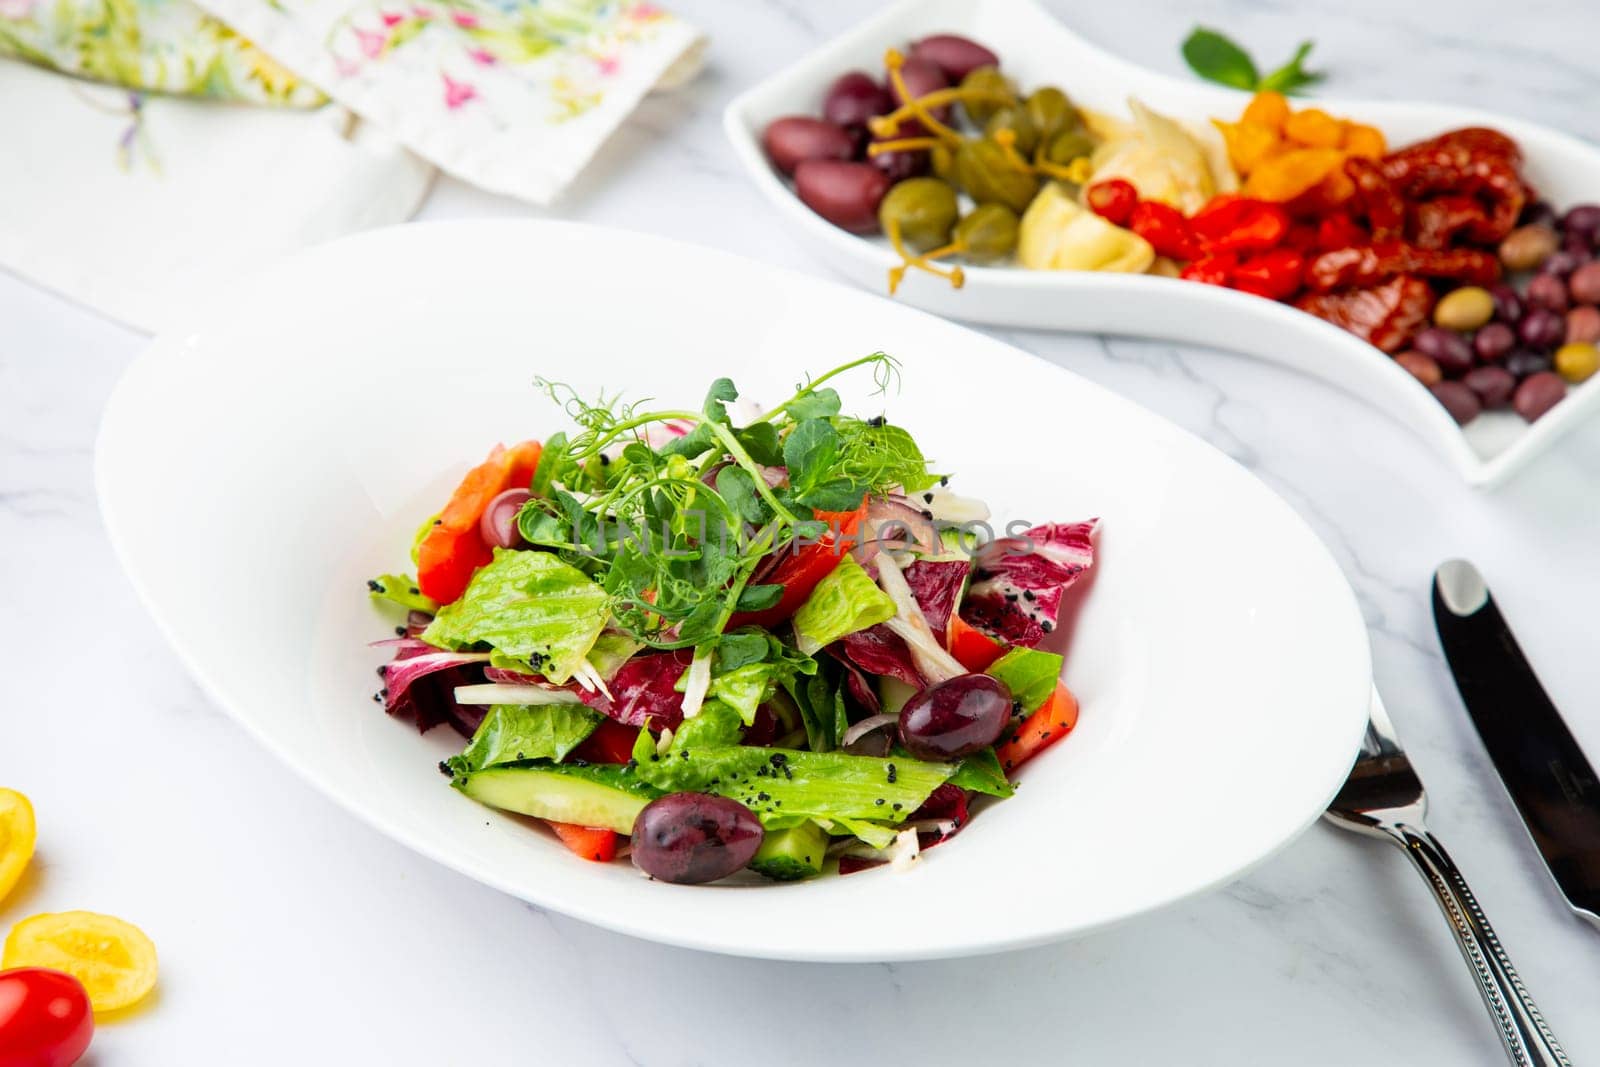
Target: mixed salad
(772, 640)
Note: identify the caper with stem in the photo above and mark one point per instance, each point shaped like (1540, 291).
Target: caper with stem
(987, 233)
(918, 215)
(991, 174)
(1051, 112)
(985, 91)
(1017, 120)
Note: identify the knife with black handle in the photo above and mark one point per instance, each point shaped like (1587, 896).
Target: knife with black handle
(1539, 763)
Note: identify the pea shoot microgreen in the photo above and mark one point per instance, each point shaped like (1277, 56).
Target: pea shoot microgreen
(673, 511)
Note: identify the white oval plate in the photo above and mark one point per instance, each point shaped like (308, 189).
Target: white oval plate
(255, 468)
(1036, 49)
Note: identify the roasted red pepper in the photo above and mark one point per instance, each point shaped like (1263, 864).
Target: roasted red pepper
(1165, 227)
(1210, 270)
(1113, 200)
(1229, 223)
(1276, 274)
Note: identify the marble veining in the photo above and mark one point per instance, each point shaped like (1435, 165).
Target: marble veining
(291, 933)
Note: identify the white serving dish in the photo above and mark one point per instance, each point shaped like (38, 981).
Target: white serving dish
(1037, 49)
(257, 465)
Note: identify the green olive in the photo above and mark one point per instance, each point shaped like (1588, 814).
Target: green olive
(1063, 148)
(985, 84)
(988, 232)
(990, 175)
(924, 209)
(1017, 121)
(1052, 113)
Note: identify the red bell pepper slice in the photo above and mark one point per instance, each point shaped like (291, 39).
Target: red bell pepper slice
(1040, 730)
(611, 742)
(454, 547)
(800, 571)
(591, 842)
(972, 648)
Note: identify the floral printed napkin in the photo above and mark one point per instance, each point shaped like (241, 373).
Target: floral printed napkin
(511, 95)
(163, 46)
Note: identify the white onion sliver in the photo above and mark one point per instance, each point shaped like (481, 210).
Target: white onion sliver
(506, 693)
(927, 651)
(698, 680)
(865, 727)
(905, 850)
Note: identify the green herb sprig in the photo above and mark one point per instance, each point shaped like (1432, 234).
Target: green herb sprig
(1215, 57)
(675, 531)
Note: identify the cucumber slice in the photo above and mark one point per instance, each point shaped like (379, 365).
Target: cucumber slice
(792, 854)
(604, 796)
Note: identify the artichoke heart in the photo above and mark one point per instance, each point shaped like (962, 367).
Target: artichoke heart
(1057, 233)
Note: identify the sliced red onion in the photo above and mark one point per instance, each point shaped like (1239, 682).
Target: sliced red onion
(893, 524)
(499, 522)
(866, 726)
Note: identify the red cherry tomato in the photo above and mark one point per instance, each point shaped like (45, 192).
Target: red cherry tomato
(45, 1019)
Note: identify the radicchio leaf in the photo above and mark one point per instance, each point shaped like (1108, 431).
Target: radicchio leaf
(419, 685)
(1017, 584)
(643, 688)
(936, 585)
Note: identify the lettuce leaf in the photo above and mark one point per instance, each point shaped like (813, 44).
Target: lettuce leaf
(981, 773)
(845, 601)
(513, 733)
(401, 589)
(529, 605)
(1031, 675)
(828, 785)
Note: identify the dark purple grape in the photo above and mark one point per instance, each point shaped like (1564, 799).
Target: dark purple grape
(922, 77)
(1538, 394)
(1582, 220)
(793, 139)
(1494, 385)
(690, 838)
(1462, 403)
(1542, 328)
(1523, 362)
(1560, 264)
(1447, 348)
(1537, 212)
(955, 718)
(1507, 303)
(1494, 341)
(844, 193)
(853, 98)
(499, 522)
(956, 56)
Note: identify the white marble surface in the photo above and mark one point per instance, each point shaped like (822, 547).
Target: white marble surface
(291, 933)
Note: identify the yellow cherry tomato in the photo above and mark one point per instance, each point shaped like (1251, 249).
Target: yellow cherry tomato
(113, 959)
(17, 834)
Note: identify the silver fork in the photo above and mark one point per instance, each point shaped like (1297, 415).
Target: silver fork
(1383, 797)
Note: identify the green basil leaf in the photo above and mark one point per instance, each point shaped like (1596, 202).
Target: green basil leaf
(1215, 58)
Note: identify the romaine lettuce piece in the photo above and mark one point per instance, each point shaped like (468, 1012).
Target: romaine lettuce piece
(530, 605)
(401, 589)
(513, 733)
(845, 601)
(1031, 675)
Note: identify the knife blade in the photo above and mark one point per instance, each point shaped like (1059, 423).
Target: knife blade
(1540, 764)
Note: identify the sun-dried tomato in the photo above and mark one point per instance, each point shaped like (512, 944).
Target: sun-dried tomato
(1385, 316)
(1376, 199)
(1475, 163)
(1436, 223)
(1367, 265)
(1166, 228)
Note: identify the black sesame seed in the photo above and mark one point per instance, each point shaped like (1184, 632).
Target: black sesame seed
(415, 591)
(399, 631)
(383, 669)
(927, 498)
(897, 807)
(1047, 626)
(374, 585)
(605, 460)
(878, 801)
(944, 480)
(892, 774)
(927, 514)
(1027, 594)
(876, 421)
(444, 769)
